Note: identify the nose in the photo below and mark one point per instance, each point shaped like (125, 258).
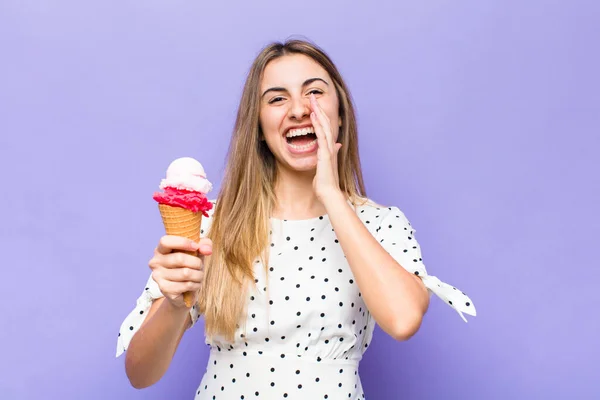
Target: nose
(299, 108)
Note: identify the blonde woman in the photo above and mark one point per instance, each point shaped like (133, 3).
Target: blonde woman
(297, 265)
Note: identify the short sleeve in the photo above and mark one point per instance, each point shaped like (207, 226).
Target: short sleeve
(397, 236)
(151, 292)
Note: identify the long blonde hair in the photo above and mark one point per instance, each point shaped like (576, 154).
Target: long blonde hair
(240, 222)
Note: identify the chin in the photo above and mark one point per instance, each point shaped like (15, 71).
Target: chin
(308, 164)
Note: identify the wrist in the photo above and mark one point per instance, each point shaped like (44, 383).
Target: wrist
(175, 310)
(333, 198)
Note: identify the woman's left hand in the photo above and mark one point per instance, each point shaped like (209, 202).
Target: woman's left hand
(326, 179)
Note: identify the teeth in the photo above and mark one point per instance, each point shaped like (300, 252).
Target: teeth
(305, 147)
(300, 132)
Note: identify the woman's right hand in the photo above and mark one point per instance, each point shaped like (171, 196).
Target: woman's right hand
(176, 272)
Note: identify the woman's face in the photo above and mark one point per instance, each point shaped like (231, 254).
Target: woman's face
(285, 109)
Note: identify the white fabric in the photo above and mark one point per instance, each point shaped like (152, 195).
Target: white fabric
(305, 334)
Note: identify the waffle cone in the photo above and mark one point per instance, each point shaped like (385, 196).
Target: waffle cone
(181, 222)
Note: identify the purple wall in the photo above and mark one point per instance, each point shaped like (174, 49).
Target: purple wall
(479, 119)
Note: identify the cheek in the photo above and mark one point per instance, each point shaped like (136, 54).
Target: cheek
(334, 119)
(270, 120)
(331, 108)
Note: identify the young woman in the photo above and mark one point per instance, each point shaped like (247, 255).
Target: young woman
(297, 265)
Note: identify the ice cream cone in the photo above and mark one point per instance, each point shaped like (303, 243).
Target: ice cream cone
(181, 222)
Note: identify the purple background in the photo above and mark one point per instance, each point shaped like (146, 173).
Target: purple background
(479, 119)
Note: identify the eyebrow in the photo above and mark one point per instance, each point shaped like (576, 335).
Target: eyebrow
(282, 89)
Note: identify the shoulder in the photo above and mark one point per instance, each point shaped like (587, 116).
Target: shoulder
(371, 208)
(376, 215)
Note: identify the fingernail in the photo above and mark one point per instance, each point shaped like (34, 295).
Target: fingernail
(206, 249)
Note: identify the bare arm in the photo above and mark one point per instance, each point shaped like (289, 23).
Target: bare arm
(153, 346)
(396, 298)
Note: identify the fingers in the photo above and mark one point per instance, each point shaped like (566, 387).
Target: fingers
(205, 246)
(323, 121)
(178, 275)
(177, 260)
(321, 137)
(169, 243)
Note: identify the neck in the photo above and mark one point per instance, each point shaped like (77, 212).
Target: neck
(295, 195)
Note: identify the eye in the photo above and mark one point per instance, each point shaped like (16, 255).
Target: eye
(315, 91)
(275, 99)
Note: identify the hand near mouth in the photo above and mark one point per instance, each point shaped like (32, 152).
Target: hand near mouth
(326, 180)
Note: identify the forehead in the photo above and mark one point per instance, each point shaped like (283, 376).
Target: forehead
(292, 70)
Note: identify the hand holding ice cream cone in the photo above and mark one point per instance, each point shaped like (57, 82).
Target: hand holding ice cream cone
(178, 268)
(182, 205)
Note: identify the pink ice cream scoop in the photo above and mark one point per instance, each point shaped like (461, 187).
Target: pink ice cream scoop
(185, 186)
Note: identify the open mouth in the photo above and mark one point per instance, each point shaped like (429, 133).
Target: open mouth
(301, 139)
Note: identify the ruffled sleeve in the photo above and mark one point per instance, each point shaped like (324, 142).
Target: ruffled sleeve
(151, 292)
(397, 236)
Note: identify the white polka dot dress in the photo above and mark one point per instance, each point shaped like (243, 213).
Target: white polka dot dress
(307, 330)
